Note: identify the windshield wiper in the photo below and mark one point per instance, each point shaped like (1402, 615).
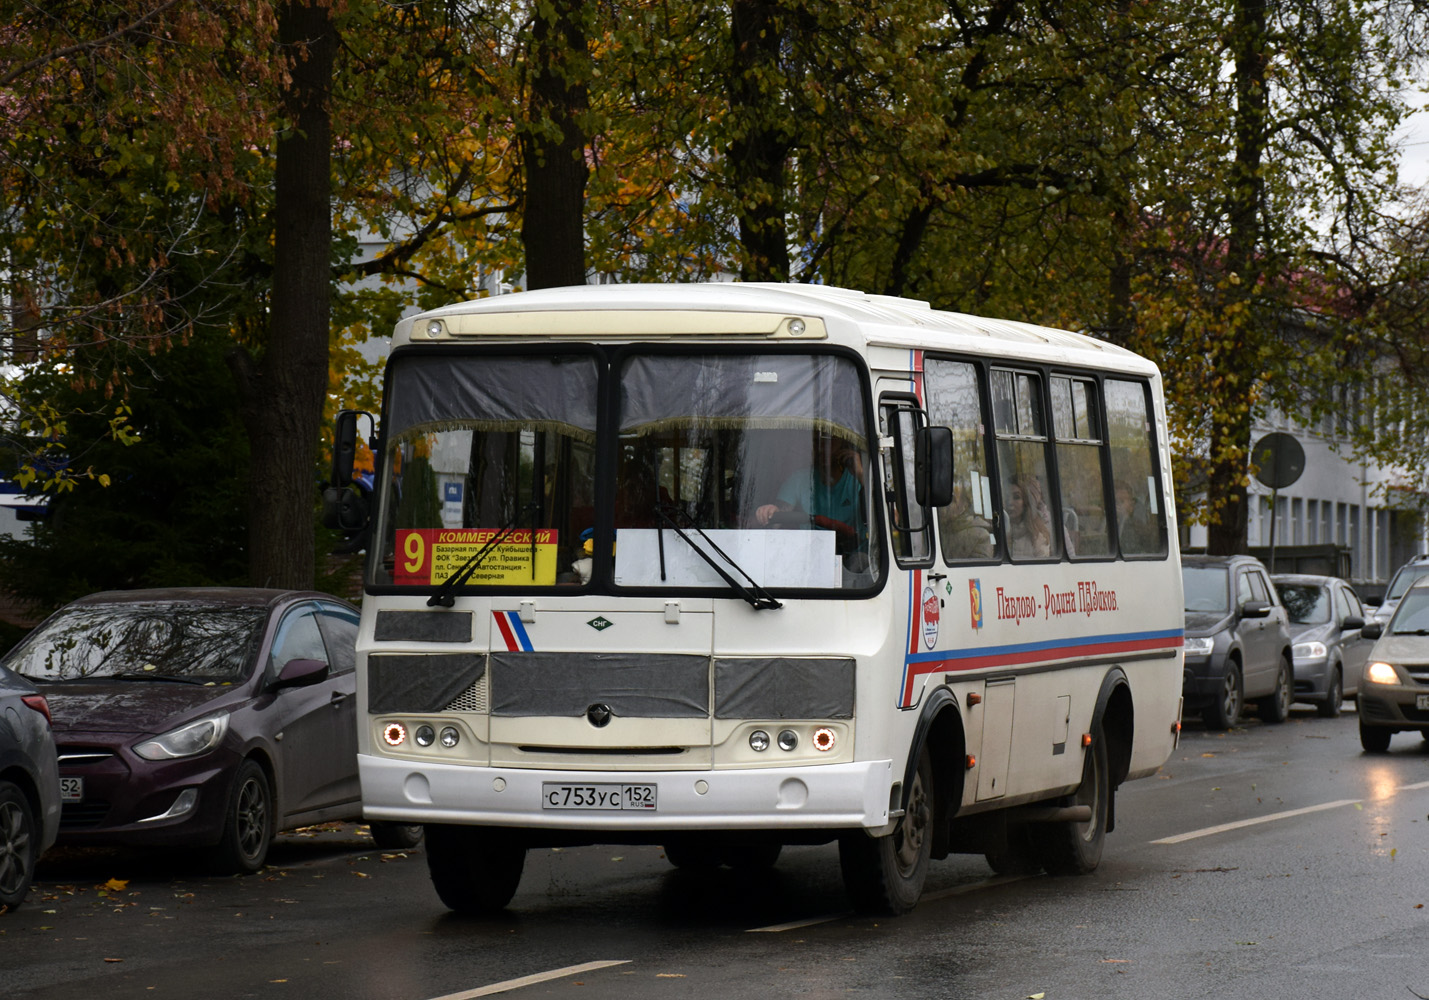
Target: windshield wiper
(756, 595)
(445, 595)
(153, 676)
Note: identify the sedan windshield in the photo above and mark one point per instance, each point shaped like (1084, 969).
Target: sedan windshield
(1307, 603)
(1402, 581)
(1207, 589)
(1412, 615)
(177, 641)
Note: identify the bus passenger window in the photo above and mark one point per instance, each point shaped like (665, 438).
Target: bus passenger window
(1077, 425)
(1141, 519)
(1020, 426)
(955, 401)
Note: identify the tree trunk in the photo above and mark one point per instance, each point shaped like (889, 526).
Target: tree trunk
(1231, 423)
(553, 224)
(760, 147)
(284, 391)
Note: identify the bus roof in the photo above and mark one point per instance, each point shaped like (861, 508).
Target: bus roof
(724, 311)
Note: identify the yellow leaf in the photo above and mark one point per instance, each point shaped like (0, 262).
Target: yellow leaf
(117, 884)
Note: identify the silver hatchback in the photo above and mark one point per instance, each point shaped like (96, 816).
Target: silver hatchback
(1329, 651)
(29, 786)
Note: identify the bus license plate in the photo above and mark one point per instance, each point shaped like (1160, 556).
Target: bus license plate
(71, 789)
(556, 795)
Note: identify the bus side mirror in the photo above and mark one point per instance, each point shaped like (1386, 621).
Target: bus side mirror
(933, 466)
(344, 447)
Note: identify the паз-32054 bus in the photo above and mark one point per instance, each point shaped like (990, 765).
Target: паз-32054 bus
(728, 567)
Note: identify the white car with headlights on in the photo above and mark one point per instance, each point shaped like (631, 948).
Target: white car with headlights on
(1394, 691)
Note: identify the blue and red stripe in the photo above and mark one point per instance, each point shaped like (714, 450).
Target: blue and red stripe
(508, 623)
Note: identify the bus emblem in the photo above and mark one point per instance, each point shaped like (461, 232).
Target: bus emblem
(930, 617)
(975, 602)
(600, 623)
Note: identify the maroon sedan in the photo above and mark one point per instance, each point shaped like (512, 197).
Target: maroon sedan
(203, 717)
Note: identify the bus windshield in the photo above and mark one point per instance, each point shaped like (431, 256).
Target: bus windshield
(754, 466)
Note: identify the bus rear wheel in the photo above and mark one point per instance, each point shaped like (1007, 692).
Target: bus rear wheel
(886, 874)
(475, 870)
(1075, 848)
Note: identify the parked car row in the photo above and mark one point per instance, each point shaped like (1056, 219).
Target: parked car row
(1274, 640)
(206, 718)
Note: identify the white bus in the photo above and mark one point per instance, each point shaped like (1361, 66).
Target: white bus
(728, 567)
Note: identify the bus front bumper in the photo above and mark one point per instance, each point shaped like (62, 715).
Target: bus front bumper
(827, 796)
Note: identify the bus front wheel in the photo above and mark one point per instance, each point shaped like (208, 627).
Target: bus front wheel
(886, 874)
(475, 870)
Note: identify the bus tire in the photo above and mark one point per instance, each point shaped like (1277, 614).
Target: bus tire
(475, 870)
(886, 874)
(1070, 848)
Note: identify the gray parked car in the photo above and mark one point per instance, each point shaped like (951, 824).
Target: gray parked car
(1394, 692)
(1237, 642)
(1329, 651)
(29, 786)
(1405, 577)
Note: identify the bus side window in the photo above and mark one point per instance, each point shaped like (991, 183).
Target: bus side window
(1021, 428)
(1140, 516)
(910, 523)
(955, 401)
(1076, 422)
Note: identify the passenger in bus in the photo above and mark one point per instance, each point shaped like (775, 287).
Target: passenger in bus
(965, 535)
(1133, 523)
(1028, 535)
(830, 492)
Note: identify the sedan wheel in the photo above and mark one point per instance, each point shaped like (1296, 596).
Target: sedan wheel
(1276, 708)
(19, 837)
(248, 829)
(1334, 696)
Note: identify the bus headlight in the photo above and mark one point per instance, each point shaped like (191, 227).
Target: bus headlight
(449, 736)
(759, 741)
(425, 736)
(788, 739)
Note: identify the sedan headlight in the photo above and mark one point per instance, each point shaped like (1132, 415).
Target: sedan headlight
(1309, 651)
(1381, 673)
(1200, 647)
(199, 736)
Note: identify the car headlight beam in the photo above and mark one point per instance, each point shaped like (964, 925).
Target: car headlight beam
(199, 736)
(1381, 673)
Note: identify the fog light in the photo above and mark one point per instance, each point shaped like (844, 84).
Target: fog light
(759, 741)
(824, 739)
(394, 734)
(425, 736)
(450, 737)
(788, 739)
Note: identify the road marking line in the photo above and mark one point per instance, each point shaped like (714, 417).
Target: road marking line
(1208, 831)
(925, 898)
(794, 925)
(1414, 787)
(540, 977)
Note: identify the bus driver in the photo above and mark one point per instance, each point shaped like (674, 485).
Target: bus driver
(829, 492)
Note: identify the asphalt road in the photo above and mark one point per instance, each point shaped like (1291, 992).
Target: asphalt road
(1267, 862)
